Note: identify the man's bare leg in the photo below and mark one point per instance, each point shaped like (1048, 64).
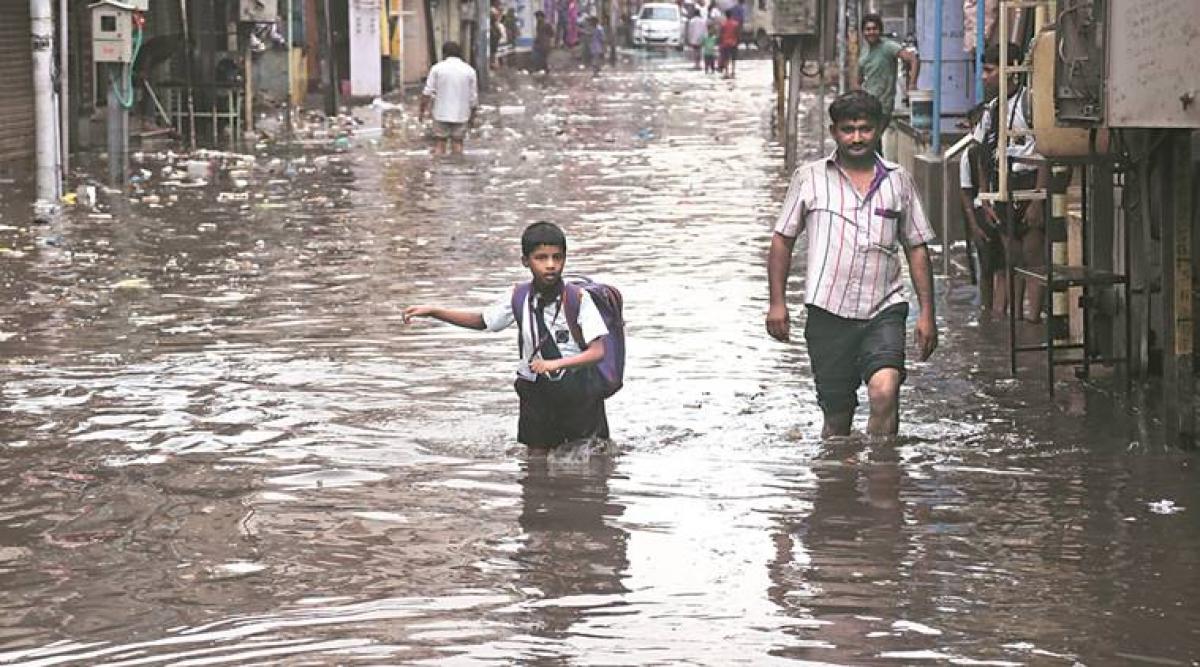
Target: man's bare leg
(456, 146)
(999, 293)
(837, 424)
(1033, 251)
(883, 391)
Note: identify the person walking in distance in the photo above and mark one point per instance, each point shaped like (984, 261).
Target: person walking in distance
(543, 37)
(697, 28)
(594, 48)
(452, 90)
(730, 34)
(860, 212)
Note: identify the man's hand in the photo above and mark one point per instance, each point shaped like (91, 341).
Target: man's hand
(413, 312)
(927, 336)
(778, 322)
(542, 366)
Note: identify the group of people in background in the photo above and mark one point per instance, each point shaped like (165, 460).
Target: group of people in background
(713, 36)
(594, 38)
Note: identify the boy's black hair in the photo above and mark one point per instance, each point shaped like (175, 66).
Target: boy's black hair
(991, 55)
(542, 233)
(451, 50)
(871, 18)
(856, 105)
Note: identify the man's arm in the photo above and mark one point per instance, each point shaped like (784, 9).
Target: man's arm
(474, 101)
(966, 197)
(589, 357)
(913, 60)
(425, 100)
(921, 269)
(779, 264)
(462, 318)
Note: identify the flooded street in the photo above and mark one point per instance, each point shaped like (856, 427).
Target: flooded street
(220, 444)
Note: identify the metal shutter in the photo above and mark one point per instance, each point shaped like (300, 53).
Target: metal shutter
(16, 74)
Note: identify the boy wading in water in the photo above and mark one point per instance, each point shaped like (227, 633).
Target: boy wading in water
(860, 212)
(560, 390)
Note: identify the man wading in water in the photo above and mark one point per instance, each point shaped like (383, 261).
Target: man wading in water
(860, 211)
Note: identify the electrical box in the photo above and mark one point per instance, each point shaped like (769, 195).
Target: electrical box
(1128, 63)
(112, 31)
(792, 17)
(259, 11)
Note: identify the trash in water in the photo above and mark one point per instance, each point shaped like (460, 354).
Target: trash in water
(198, 170)
(132, 283)
(512, 110)
(85, 196)
(1165, 506)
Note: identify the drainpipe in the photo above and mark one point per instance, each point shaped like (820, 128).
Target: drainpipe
(291, 74)
(939, 9)
(980, 45)
(42, 25)
(841, 46)
(483, 25)
(64, 89)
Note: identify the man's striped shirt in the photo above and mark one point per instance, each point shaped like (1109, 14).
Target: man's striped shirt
(854, 241)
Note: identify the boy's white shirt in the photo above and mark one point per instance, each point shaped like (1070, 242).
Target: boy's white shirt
(499, 316)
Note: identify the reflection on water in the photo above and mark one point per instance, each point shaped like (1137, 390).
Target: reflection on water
(219, 444)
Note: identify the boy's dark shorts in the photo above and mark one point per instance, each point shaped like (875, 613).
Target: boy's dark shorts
(562, 411)
(846, 353)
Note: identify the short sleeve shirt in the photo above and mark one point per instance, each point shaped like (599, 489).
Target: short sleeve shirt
(854, 241)
(1022, 146)
(452, 85)
(500, 316)
(877, 67)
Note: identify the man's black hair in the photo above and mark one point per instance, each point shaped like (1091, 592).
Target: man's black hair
(856, 105)
(451, 50)
(871, 18)
(991, 55)
(542, 233)
(539, 14)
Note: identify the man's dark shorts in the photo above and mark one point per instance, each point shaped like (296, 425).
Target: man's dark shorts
(562, 411)
(846, 353)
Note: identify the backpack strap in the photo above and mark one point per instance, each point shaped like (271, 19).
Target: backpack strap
(520, 295)
(572, 297)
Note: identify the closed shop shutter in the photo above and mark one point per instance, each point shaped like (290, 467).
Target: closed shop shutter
(16, 75)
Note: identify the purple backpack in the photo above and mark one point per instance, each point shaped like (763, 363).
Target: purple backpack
(609, 302)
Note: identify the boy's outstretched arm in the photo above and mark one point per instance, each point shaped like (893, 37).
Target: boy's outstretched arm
(463, 318)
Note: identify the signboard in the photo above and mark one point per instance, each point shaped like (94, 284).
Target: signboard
(366, 35)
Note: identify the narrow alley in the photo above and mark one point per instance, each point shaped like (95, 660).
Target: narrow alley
(220, 444)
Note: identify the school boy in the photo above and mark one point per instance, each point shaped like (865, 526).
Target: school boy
(557, 382)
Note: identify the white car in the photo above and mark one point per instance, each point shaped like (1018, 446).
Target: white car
(658, 24)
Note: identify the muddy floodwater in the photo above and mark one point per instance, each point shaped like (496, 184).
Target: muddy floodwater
(219, 443)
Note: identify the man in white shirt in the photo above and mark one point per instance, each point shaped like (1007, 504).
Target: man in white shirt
(452, 90)
(697, 27)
